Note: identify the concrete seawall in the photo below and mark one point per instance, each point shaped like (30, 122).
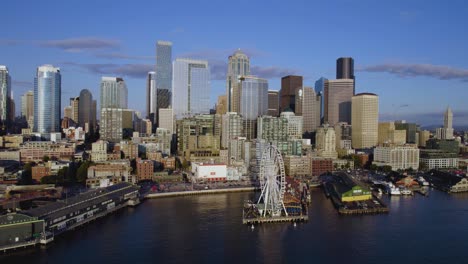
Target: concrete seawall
(201, 192)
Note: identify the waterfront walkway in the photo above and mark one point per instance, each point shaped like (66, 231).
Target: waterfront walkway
(200, 192)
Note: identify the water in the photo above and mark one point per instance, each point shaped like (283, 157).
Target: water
(208, 229)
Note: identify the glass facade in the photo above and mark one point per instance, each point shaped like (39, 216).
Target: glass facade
(86, 116)
(320, 90)
(191, 87)
(151, 97)
(253, 103)
(239, 65)
(5, 92)
(114, 93)
(47, 96)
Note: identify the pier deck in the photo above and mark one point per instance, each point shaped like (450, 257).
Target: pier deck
(260, 220)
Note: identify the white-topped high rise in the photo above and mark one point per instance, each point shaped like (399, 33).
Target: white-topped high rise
(446, 132)
(190, 87)
(114, 93)
(5, 92)
(47, 99)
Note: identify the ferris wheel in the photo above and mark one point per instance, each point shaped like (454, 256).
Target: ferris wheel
(272, 182)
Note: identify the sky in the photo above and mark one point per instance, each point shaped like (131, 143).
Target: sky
(413, 54)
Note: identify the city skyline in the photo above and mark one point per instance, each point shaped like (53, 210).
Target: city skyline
(406, 77)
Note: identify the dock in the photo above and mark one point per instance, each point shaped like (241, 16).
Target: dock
(278, 219)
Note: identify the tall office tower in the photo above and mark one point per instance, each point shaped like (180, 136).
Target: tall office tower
(447, 131)
(253, 103)
(114, 123)
(47, 97)
(343, 136)
(191, 87)
(273, 103)
(151, 97)
(12, 111)
(295, 124)
(5, 92)
(345, 70)
(365, 120)
(27, 107)
(338, 94)
(114, 93)
(388, 134)
(308, 106)
(325, 142)
(411, 130)
(93, 113)
(75, 105)
(86, 117)
(163, 75)
(320, 90)
(68, 112)
(166, 119)
(238, 65)
(221, 106)
(423, 138)
(289, 86)
(231, 123)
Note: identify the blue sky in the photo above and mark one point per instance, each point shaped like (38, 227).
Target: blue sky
(413, 54)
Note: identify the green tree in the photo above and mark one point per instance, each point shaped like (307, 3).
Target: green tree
(26, 176)
(45, 158)
(373, 167)
(387, 168)
(82, 172)
(357, 162)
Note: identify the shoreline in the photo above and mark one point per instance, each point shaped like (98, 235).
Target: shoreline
(200, 192)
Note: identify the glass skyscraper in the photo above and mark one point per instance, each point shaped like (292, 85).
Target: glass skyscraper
(239, 65)
(163, 75)
(86, 113)
(5, 92)
(114, 93)
(47, 99)
(191, 87)
(320, 90)
(151, 97)
(253, 103)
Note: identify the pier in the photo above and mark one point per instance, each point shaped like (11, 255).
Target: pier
(201, 192)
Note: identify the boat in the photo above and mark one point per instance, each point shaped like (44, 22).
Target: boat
(422, 181)
(392, 190)
(405, 191)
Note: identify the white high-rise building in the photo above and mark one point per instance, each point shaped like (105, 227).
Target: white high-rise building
(364, 120)
(231, 128)
(325, 142)
(114, 93)
(190, 87)
(295, 124)
(399, 157)
(47, 99)
(166, 119)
